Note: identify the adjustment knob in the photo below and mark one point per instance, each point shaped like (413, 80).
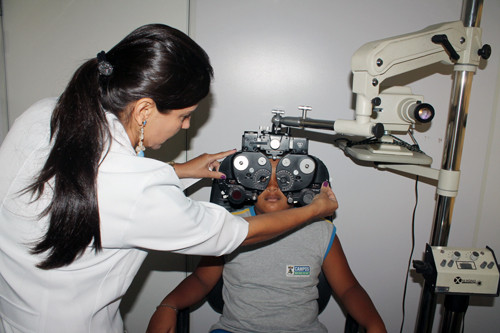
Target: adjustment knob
(236, 195)
(474, 255)
(286, 162)
(240, 163)
(307, 166)
(306, 197)
(378, 130)
(275, 144)
(485, 51)
(262, 160)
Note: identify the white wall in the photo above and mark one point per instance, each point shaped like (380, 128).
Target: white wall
(282, 54)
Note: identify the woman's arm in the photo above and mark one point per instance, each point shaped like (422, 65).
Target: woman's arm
(203, 166)
(189, 292)
(350, 293)
(266, 226)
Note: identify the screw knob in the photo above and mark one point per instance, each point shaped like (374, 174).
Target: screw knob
(485, 51)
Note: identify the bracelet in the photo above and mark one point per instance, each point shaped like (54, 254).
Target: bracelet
(172, 164)
(165, 305)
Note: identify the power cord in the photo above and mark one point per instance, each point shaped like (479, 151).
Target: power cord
(412, 147)
(373, 140)
(411, 253)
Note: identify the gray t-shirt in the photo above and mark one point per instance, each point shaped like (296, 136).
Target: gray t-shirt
(272, 286)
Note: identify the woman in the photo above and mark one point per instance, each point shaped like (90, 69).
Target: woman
(79, 203)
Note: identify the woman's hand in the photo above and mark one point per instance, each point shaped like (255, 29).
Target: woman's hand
(203, 166)
(164, 320)
(263, 227)
(325, 202)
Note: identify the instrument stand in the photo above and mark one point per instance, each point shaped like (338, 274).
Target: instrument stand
(455, 307)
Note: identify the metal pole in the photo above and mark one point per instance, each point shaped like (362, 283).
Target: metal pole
(452, 154)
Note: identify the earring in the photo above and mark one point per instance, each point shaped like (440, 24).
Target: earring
(140, 146)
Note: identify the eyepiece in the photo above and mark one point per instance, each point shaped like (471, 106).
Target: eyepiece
(423, 113)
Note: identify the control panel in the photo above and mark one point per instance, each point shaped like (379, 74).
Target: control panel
(462, 270)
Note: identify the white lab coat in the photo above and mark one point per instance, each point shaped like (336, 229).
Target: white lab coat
(142, 206)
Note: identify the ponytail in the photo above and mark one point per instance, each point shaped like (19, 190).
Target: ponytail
(78, 132)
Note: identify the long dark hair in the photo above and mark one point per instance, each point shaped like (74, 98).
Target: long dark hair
(154, 61)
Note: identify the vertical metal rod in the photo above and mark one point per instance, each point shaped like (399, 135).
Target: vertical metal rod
(452, 154)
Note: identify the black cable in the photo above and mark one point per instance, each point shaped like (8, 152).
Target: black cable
(373, 140)
(411, 252)
(415, 148)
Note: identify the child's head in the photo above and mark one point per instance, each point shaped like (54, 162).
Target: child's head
(272, 199)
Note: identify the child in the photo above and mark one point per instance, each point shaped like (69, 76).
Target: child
(271, 286)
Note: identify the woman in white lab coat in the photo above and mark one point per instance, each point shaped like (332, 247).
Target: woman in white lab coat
(80, 205)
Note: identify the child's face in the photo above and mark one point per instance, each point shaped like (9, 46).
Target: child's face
(272, 199)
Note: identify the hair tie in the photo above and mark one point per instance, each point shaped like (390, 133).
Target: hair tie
(104, 67)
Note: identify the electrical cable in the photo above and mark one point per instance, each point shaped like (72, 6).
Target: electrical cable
(397, 142)
(411, 147)
(373, 140)
(411, 253)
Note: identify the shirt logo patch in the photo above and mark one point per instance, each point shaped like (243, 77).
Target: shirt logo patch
(298, 270)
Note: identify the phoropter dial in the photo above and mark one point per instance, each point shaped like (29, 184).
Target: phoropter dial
(252, 170)
(285, 180)
(261, 178)
(295, 172)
